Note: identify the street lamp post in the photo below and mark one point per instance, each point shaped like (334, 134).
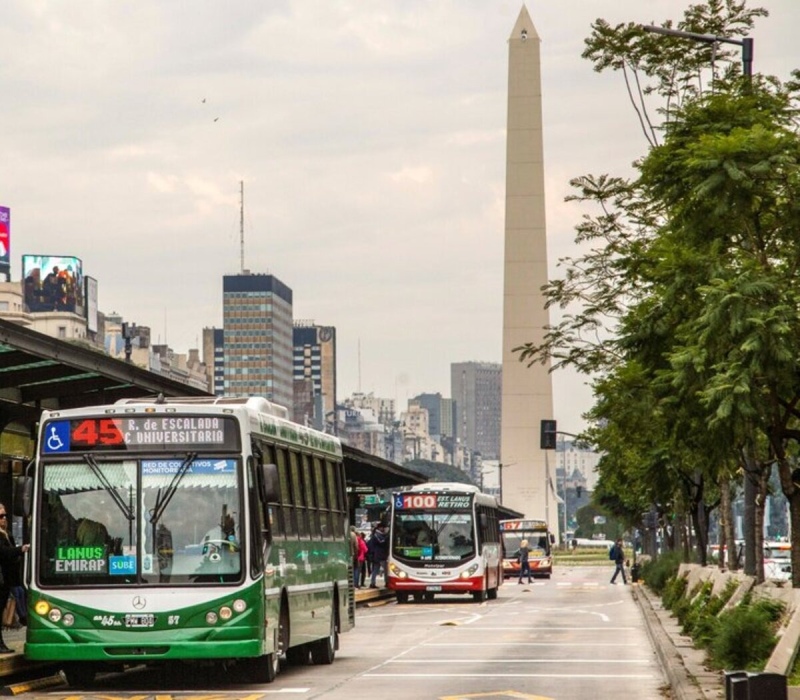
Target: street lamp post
(500, 467)
(746, 43)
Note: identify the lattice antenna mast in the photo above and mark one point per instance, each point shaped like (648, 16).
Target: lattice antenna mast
(241, 225)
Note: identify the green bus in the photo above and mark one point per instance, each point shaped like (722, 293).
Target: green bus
(210, 530)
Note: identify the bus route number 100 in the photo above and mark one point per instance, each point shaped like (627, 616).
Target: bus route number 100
(426, 500)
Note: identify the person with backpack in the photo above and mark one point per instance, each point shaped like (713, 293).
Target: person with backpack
(617, 555)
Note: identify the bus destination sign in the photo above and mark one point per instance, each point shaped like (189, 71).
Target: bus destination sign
(523, 525)
(437, 501)
(143, 433)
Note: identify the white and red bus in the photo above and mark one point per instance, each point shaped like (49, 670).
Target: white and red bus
(540, 542)
(444, 539)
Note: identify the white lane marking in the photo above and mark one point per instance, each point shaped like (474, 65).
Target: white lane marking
(532, 644)
(642, 676)
(524, 628)
(523, 661)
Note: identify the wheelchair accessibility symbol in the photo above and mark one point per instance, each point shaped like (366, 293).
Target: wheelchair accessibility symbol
(56, 437)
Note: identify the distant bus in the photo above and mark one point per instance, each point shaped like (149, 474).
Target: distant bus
(444, 538)
(192, 530)
(540, 541)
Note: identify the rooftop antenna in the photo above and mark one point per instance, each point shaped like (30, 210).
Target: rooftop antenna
(241, 224)
(359, 365)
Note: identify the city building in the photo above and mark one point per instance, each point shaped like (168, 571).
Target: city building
(383, 408)
(314, 373)
(476, 391)
(441, 417)
(257, 324)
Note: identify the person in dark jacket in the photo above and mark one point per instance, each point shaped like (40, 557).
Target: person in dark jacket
(10, 555)
(524, 561)
(619, 560)
(379, 551)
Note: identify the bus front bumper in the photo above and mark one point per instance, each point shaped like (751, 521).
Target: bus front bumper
(459, 585)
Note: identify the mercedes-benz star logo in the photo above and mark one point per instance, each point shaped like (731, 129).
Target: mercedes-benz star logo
(139, 602)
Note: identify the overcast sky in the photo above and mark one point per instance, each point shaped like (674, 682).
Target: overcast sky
(370, 137)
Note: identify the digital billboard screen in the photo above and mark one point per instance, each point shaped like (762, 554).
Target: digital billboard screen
(53, 283)
(5, 239)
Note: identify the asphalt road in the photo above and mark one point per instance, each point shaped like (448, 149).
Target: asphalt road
(571, 637)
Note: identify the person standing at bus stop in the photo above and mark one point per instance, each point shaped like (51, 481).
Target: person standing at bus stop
(379, 549)
(524, 561)
(618, 555)
(10, 555)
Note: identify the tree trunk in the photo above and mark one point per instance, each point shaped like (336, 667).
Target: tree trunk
(750, 489)
(728, 534)
(760, 509)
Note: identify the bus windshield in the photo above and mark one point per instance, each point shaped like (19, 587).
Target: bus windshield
(148, 521)
(431, 536)
(537, 541)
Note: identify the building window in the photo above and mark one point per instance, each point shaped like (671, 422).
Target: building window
(62, 331)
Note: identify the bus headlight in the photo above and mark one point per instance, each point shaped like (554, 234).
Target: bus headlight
(239, 605)
(42, 607)
(395, 570)
(472, 569)
(211, 617)
(54, 615)
(68, 620)
(225, 613)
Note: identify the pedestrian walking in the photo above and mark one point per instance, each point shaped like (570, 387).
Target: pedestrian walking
(617, 554)
(524, 561)
(10, 555)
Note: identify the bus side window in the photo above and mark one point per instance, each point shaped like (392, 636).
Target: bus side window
(297, 494)
(322, 498)
(287, 509)
(333, 497)
(274, 514)
(308, 494)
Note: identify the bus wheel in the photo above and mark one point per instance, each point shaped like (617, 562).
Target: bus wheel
(402, 598)
(491, 594)
(323, 650)
(80, 675)
(478, 596)
(297, 656)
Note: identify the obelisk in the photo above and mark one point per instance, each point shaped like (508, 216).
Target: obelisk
(527, 393)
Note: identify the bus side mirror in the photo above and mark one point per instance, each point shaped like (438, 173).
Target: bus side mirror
(552, 538)
(269, 477)
(23, 495)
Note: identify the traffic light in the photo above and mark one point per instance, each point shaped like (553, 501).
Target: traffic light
(548, 435)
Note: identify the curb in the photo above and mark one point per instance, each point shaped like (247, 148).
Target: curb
(683, 683)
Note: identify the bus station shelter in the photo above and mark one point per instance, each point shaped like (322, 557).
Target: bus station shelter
(38, 372)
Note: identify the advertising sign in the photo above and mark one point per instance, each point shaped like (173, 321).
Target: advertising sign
(5, 240)
(53, 283)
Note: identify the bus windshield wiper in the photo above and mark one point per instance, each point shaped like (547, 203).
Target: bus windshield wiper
(163, 502)
(103, 479)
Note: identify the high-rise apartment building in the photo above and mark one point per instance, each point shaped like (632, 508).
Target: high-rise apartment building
(257, 326)
(476, 390)
(314, 368)
(440, 413)
(214, 358)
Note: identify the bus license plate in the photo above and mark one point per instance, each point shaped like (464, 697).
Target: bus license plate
(140, 620)
(433, 588)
